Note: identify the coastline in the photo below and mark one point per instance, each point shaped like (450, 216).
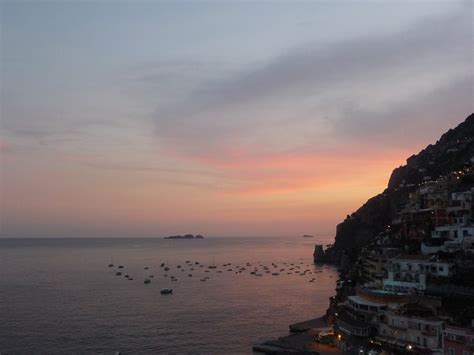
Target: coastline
(301, 337)
(300, 340)
(405, 257)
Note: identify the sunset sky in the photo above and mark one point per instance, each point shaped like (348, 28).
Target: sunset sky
(235, 118)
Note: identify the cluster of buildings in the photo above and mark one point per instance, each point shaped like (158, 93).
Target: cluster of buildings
(412, 288)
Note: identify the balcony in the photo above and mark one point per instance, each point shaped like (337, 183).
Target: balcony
(397, 327)
(429, 332)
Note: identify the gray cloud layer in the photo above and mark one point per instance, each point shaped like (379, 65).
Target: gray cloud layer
(313, 91)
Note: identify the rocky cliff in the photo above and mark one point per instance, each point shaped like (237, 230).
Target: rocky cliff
(452, 151)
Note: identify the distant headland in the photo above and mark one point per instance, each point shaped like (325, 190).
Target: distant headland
(186, 236)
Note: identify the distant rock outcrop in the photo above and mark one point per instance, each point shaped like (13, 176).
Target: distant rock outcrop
(186, 236)
(453, 151)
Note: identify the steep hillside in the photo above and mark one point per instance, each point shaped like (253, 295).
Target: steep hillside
(452, 151)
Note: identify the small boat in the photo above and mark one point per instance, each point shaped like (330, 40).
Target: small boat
(111, 265)
(151, 276)
(146, 281)
(166, 268)
(190, 275)
(146, 267)
(120, 267)
(118, 273)
(166, 291)
(162, 265)
(203, 279)
(275, 273)
(174, 279)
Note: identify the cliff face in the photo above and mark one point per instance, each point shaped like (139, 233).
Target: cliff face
(452, 151)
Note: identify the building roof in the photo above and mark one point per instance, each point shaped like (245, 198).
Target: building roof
(345, 318)
(361, 300)
(417, 310)
(459, 330)
(416, 257)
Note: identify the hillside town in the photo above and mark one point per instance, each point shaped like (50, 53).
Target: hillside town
(411, 287)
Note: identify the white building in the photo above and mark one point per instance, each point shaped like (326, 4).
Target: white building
(460, 209)
(449, 239)
(453, 233)
(409, 273)
(410, 326)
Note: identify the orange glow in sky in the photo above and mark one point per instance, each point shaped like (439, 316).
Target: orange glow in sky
(194, 117)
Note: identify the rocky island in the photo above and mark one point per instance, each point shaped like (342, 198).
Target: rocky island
(186, 236)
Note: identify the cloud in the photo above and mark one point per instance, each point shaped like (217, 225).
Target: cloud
(315, 99)
(5, 147)
(418, 120)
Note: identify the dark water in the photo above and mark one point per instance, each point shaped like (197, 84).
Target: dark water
(59, 296)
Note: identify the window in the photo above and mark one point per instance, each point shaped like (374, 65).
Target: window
(452, 351)
(441, 268)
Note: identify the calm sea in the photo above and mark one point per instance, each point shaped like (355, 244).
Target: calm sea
(60, 296)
